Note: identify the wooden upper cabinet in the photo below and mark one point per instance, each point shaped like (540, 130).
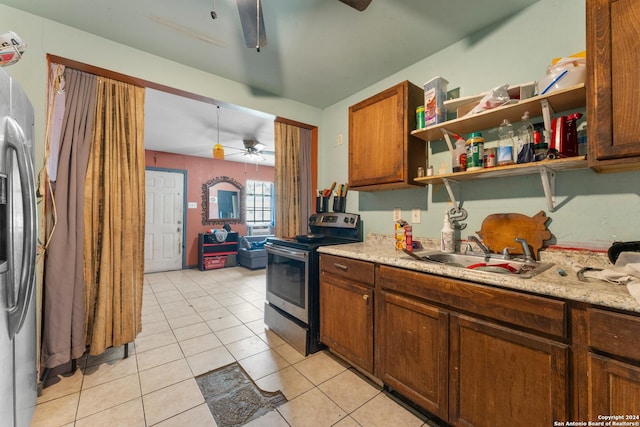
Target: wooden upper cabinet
(383, 155)
(613, 61)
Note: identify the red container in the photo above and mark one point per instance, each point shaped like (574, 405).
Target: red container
(214, 262)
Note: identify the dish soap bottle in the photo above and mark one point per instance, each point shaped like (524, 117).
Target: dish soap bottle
(447, 242)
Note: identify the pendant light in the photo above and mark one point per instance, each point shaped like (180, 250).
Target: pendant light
(218, 150)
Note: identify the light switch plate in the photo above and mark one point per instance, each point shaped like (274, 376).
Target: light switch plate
(415, 216)
(192, 205)
(397, 214)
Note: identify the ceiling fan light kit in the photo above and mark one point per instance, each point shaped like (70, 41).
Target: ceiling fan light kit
(255, 156)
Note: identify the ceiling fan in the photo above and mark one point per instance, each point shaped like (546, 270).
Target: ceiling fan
(253, 150)
(253, 23)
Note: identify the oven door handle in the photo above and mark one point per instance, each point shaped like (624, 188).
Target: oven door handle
(299, 255)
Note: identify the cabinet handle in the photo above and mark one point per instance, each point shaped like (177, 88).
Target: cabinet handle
(365, 297)
(341, 266)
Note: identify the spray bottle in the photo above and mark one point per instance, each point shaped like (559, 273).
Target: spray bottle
(447, 241)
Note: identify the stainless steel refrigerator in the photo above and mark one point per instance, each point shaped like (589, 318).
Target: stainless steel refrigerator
(18, 369)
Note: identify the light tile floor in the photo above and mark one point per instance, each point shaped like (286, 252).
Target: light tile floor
(194, 322)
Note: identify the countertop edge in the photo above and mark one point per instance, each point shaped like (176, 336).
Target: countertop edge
(547, 283)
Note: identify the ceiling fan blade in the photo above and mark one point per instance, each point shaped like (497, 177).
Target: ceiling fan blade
(252, 27)
(359, 5)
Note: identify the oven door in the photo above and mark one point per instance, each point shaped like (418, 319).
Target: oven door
(288, 280)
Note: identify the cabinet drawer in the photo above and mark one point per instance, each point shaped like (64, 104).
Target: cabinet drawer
(352, 269)
(614, 333)
(533, 312)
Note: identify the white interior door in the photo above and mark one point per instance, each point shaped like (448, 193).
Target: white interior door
(163, 240)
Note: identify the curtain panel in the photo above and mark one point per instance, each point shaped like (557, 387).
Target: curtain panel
(63, 308)
(114, 217)
(292, 180)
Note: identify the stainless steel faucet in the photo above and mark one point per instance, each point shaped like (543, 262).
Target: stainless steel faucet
(477, 241)
(525, 250)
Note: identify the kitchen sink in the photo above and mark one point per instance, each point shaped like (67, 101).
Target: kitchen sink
(493, 263)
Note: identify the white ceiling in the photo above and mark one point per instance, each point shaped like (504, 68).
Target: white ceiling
(181, 125)
(318, 51)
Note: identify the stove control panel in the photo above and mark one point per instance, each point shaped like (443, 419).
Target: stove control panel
(334, 219)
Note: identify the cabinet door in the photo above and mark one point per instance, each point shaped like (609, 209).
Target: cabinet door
(614, 388)
(413, 351)
(613, 63)
(503, 377)
(383, 155)
(346, 319)
(376, 139)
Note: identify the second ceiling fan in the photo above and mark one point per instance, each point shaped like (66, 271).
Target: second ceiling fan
(253, 150)
(253, 23)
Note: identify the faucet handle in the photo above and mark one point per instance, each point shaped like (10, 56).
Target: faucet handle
(505, 252)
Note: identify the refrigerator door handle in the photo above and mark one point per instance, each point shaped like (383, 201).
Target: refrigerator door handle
(15, 139)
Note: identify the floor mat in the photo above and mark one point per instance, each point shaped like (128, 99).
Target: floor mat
(233, 398)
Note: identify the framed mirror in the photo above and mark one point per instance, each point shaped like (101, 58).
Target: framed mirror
(222, 201)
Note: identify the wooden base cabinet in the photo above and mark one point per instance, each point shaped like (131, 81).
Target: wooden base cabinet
(471, 354)
(478, 355)
(346, 309)
(614, 388)
(413, 342)
(613, 365)
(503, 377)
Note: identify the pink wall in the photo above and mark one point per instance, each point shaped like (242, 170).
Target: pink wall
(200, 170)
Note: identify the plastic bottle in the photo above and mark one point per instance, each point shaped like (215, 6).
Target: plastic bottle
(459, 160)
(582, 139)
(525, 140)
(475, 151)
(539, 147)
(505, 144)
(447, 242)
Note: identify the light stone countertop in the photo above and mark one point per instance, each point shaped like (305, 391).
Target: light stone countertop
(378, 248)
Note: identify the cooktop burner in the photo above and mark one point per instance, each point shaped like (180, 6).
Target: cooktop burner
(330, 228)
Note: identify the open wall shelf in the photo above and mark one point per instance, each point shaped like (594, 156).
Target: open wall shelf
(543, 105)
(561, 100)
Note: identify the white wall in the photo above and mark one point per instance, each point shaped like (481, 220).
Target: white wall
(594, 209)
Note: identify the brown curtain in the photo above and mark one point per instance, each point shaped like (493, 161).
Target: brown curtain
(114, 217)
(63, 309)
(292, 179)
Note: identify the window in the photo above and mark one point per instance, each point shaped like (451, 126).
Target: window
(259, 202)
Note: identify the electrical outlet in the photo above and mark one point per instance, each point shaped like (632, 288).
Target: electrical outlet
(415, 216)
(339, 139)
(397, 214)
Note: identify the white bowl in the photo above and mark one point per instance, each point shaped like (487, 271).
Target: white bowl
(562, 78)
